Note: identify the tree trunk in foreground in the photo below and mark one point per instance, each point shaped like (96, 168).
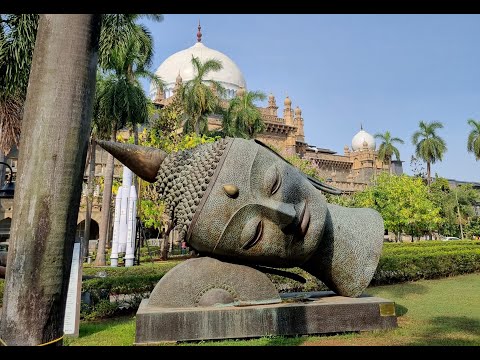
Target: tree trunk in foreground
(55, 130)
(106, 204)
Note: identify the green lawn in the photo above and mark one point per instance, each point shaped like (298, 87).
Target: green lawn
(430, 312)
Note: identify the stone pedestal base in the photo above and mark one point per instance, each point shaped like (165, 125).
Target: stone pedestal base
(297, 314)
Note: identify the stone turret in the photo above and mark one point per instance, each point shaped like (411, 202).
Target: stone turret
(287, 111)
(298, 121)
(272, 105)
(178, 83)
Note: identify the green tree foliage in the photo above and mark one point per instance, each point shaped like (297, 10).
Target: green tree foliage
(451, 202)
(403, 202)
(472, 229)
(118, 30)
(387, 147)
(242, 118)
(166, 121)
(428, 145)
(200, 96)
(473, 143)
(17, 40)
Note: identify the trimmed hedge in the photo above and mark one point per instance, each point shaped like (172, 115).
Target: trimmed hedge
(120, 289)
(147, 268)
(395, 268)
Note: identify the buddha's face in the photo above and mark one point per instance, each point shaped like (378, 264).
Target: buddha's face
(261, 210)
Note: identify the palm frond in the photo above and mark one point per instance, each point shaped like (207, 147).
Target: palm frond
(11, 109)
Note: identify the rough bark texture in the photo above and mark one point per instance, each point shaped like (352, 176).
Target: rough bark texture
(91, 183)
(106, 204)
(55, 130)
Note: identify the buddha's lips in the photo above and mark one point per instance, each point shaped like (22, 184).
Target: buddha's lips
(304, 221)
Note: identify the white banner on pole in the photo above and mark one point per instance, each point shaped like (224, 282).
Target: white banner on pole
(72, 308)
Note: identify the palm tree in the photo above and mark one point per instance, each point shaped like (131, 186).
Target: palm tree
(200, 99)
(242, 118)
(118, 29)
(387, 147)
(429, 146)
(58, 104)
(473, 144)
(120, 101)
(17, 40)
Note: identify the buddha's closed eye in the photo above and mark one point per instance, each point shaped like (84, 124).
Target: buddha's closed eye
(272, 180)
(252, 233)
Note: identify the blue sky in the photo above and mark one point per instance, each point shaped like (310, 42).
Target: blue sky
(386, 72)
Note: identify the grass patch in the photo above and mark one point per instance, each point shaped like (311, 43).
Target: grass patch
(430, 312)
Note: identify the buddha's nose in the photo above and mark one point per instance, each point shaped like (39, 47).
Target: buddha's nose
(283, 213)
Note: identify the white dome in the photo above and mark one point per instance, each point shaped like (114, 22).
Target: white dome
(361, 137)
(230, 76)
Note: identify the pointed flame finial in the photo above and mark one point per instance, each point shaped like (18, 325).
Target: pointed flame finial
(199, 33)
(361, 126)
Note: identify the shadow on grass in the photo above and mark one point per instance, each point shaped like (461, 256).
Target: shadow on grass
(399, 291)
(400, 310)
(451, 330)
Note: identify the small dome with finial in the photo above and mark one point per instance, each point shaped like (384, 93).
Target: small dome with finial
(298, 112)
(287, 101)
(363, 140)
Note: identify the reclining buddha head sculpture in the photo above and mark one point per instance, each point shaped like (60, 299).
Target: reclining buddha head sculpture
(239, 201)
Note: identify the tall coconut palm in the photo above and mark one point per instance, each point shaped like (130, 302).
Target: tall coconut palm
(387, 147)
(473, 143)
(242, 118)
(120, 101)
(429, 146)
(200, 96)
(17, 40)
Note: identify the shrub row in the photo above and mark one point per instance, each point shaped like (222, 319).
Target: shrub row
(146, 268)
(395, 268)
(430, 243)
(121, 289)
(432, 250)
